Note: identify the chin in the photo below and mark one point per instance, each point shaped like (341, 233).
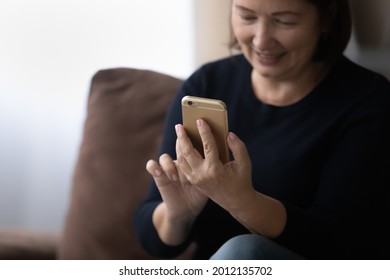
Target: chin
(267, 73)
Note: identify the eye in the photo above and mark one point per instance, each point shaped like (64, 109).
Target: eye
(248, 17)
(285, 22)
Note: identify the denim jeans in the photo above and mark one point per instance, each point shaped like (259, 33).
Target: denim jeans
(253, 247)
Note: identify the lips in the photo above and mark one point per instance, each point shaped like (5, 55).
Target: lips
(268, 59)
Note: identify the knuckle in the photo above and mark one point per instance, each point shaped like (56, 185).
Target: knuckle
(186, 152)
(208, 145)
(208, 176)
(194, 179)
(213, 174)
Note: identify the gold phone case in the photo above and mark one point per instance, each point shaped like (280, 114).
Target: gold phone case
(212, 111)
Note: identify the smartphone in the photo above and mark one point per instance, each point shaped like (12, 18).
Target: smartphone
(214, 112)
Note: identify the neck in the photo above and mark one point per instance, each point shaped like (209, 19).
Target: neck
(289, 91)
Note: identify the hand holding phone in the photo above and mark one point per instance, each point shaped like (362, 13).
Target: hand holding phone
(212, 111)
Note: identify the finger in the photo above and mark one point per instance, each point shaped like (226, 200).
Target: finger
(181, 162)
(178, 149)
(184, 167)
(209, 144)
(187, 150)
(157, 172)
(154, 168)
(169, 167)
(183, 176)
(239, 151)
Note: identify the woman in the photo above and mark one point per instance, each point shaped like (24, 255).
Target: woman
(309, 143)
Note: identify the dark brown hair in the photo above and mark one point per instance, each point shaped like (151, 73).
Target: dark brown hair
(336, 16)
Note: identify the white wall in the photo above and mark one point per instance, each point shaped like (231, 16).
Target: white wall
(49, 50)
(212, 33)
(370, 44)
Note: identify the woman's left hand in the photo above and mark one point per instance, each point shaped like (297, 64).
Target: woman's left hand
(229, 185)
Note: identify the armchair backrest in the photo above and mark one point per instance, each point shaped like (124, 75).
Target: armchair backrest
(122, 130)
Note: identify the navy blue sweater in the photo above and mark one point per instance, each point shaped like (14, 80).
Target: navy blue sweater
(326, 158)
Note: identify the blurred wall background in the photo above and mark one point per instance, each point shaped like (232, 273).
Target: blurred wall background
(370, 44)
(49, 50)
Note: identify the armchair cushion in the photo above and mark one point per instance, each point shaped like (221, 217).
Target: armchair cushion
(122, 130)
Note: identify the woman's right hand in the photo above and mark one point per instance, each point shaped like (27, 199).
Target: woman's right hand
(182, 202)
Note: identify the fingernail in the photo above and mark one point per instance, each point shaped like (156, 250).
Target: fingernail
(199, 123)
(232, 136)
(157, 172)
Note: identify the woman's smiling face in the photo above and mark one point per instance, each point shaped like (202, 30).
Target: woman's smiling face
(278, 37)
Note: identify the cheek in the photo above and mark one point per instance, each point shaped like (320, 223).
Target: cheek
(300, 41)
(243, 36)
(242, 33)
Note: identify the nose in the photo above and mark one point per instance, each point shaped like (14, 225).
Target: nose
(263, 35)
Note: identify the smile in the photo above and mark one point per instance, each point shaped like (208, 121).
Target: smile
(268, 59)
